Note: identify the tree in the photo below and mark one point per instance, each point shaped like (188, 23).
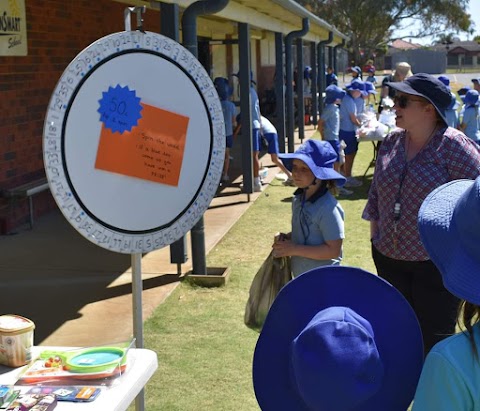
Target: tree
(372, 23)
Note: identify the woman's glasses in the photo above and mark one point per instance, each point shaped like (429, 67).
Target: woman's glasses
(402, 101)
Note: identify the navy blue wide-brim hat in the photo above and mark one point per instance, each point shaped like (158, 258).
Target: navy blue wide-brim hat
(319, 156)
(449, 226)
(426, 86)
(338, 338)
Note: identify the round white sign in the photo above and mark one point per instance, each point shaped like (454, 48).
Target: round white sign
(134, 142)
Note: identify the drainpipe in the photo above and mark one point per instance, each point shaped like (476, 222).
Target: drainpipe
(321, 68)
(338, 46)
(189, 20)
(189, 28)
(290, 120)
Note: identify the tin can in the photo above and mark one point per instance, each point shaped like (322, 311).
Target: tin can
(16, 340)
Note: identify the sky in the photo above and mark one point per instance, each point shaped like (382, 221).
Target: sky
(473, 10)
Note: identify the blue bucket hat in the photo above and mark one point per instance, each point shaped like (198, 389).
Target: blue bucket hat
(338, 338)
(319, 156)
(357, 70)
(445, 80)
(449, 225)
(471, 98)
(426, 86)
(357, 84)
(333, 93)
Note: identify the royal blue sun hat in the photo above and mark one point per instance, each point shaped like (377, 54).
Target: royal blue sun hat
(471, 98)
(319, 156)
(426, 86)
(333, 93)
(449, 225)
(338, 338)
(357, 84)
(445, 80)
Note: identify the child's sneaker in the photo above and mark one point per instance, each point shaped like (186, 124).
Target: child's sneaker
(225, 178)
(257, 187)
(344, 192)
(353, 182)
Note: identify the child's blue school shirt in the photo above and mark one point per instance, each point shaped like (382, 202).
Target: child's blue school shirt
(472, 120)
(331, 118)
(347, 107)
(228, 109)
(314, 222)
(450, 379)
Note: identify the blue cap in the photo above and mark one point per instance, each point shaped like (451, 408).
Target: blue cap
(333, 93)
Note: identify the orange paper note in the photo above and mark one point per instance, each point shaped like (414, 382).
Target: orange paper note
(153, 150)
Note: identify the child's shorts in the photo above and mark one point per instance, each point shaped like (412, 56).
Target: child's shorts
(336, 146)
(256, 139)
(229, 141)
(350, 140)
(272, 139)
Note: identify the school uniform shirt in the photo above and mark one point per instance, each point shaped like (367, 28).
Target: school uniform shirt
(331, 119)
(450, 379)
(255, 108)
(228, 109)
(314, 221)
(347, 107)
(449, 155)
(471, 119)
(452, 117)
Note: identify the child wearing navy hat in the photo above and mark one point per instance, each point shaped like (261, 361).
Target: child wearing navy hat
(317, 218)
(449, 225)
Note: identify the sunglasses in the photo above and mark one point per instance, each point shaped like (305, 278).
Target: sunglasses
(402, 101)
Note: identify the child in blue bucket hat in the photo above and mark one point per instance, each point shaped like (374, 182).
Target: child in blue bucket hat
(338, 339)
(449, 225)
(317, 218)
(470, 124)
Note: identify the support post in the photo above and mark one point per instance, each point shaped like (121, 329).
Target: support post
(321, 68)
(280, 91)
(300, 94)
(190, 42)
(313, 83)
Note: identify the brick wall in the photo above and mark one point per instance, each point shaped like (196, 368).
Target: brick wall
(57, 31)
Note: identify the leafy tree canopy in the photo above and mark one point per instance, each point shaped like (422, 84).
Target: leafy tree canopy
(372, 23)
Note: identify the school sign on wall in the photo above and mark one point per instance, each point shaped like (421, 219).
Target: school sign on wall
(13, 28)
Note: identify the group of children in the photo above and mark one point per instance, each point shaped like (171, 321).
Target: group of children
(468, 118)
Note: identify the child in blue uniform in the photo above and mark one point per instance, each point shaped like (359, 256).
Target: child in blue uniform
(317, 218)
(449, 225)
(228, 108)
(470, 124)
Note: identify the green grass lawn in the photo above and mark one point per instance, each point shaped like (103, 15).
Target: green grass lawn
(204, 349)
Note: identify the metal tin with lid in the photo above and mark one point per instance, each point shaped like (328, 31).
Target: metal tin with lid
(16, 340)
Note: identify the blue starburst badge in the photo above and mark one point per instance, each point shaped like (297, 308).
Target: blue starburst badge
(120, 109)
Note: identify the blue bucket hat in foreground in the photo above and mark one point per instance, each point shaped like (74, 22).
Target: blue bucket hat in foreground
(333, 93)
(319, 156)
(449, 225)
(338, 339)
(426, 86)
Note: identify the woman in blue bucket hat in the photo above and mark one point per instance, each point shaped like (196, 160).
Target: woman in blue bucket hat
(421, 155)
(338, 339)
(449, 224)
(317, 218)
